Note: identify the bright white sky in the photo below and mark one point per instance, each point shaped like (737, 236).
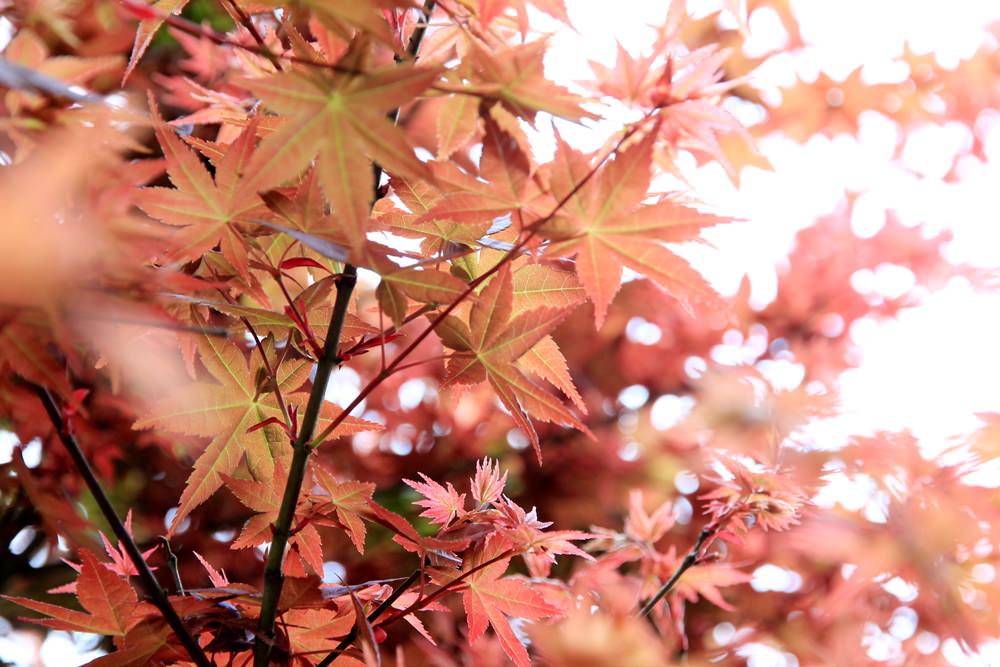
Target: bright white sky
(936, 365)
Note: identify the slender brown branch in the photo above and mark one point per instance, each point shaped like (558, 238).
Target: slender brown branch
(373, 616)
(152, 587)
(273, 577)
(247, 22)
(428, 360)
(690, 560)
(271, 371)
(446, 588)
(416, 606)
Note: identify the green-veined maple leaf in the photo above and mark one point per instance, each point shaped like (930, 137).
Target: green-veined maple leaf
(504, 185)
(226, 410)
(339, 119)
(438, 234)
(108, 600)
(607, 227)
(264, 497)
(491, 344)
(207, 210)
(516, 77)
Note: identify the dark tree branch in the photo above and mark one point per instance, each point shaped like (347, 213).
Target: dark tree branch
(152, 587)
(273, 576)
(274, 579)
(690, 560)
(416, 606)
(381, 609)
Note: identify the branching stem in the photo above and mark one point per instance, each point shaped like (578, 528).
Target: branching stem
(416, 606)
(273, 575)
(690, 560)
(152, 587)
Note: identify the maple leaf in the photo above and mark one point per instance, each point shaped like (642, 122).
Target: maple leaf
(527, 534)
(645, 527)
(24, 341)
(407, 536)
(488, 484)
(607, 227)
(773, 498)
(315, 631)
(440, 504)
(225, 411)
(544, 286)
(207, 211)
(488, 10)
(419, 198)
(218, 579)
(343, 15)
(265, 498)
(456, 124)
(350, 500)
(340, 120)
(107, 598)
(492, 341)
(147, 29)
(701, 580)
(29, 50)
(503, 187)
(516, 77)
(489, 599)
(121, 564)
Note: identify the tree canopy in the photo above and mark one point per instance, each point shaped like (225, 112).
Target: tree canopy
(319, 317)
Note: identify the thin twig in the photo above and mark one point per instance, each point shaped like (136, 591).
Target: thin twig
(690, 560)
(247, 22)
(416, 606)
(373, 616)
(446, 588)
(271, 372)
(19, 77)
(172, 565)
(156, 593)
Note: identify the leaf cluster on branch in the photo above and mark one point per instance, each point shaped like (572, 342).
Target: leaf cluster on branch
(306, 299)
